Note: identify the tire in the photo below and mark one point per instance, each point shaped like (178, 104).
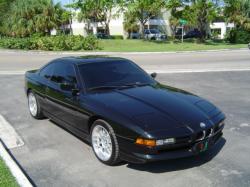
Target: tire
(111, 154)
(34, 106)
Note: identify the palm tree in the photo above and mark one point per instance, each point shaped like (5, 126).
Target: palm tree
(130, 24)
(26, 17)
(238, 12)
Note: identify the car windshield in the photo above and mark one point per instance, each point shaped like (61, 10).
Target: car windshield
(154, 31)
(113, 74)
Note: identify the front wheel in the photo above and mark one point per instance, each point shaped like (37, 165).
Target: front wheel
(104, 143)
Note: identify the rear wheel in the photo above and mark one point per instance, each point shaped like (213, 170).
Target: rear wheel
(104, 143)
(34, 106)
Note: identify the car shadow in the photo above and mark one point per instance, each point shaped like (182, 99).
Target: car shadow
(167, 165)
(180, 164)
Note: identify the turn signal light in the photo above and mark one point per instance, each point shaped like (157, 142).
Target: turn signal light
(145, 142)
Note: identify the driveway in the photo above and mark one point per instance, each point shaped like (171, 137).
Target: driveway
(51, 156)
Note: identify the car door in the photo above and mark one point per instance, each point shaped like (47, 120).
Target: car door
(63, 104)
(44, 76)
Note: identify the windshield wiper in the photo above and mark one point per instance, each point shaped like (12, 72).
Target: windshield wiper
(135, 84)
(103, 88)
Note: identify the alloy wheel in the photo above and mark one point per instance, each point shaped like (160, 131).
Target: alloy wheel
(32, 104)
(102, 143)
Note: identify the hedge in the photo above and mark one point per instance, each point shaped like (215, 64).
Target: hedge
(239, 36)
(116, 37)
(51, 43)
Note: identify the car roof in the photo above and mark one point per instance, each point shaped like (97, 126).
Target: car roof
(87, 59)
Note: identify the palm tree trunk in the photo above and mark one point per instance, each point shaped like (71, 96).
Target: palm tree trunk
(107, 30)
(141, 29)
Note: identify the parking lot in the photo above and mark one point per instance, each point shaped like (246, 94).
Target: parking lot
(52, 156)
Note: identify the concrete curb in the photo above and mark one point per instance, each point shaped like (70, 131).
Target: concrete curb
(9, 135)
(16, 171)
(114, 53)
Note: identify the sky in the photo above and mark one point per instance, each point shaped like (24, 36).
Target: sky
(63, 2)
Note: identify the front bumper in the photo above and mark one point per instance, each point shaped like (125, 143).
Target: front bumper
(140, 156)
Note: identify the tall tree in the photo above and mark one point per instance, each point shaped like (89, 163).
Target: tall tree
(4, 9)
(206, 11)
(130, 24)
(99, 11)
(144, 10)
(176, 9)
(203, 13)
(26, 17)
(238, 12)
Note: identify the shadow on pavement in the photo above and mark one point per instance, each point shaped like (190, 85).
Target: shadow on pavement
(180, 164)
(167, 165)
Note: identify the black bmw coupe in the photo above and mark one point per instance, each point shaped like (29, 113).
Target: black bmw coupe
(124, 113)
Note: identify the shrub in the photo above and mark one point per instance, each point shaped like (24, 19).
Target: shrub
(51, 43)
(238, 36)
(117, 37)
(14, 43)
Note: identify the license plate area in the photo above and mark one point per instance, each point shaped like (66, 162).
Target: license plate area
(201, 146)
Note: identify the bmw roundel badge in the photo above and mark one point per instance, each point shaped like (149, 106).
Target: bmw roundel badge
(202, 125)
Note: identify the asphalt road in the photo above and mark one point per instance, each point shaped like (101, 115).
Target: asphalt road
(52, 156)
(159, 62)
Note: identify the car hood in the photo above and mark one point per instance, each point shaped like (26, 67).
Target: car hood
(159, 107)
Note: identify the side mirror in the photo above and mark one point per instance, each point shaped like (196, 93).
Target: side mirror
(75, 92)
(67, 86)
(153, 75)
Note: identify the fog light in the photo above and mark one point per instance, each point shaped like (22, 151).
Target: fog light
(169, 141)
(159, 142)
(165, 141)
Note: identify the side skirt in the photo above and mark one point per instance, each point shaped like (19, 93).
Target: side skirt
(80, 134)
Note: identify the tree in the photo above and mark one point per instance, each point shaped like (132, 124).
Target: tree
(205, 14)
(238, 12)
(4, 9)
(130, 24)
(144, 10)
(99, 11)
(202, 12)
(176, 9)
(64, 17)
(26, 17)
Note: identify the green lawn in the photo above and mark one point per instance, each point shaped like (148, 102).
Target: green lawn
(6, 179)
(151, 46)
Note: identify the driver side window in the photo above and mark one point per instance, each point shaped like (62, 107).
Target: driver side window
(64, 74)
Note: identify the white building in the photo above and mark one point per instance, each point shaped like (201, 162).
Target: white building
(116, 25)
(160, 22)
(221, 28)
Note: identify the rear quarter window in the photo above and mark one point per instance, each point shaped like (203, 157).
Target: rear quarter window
(47, 71)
